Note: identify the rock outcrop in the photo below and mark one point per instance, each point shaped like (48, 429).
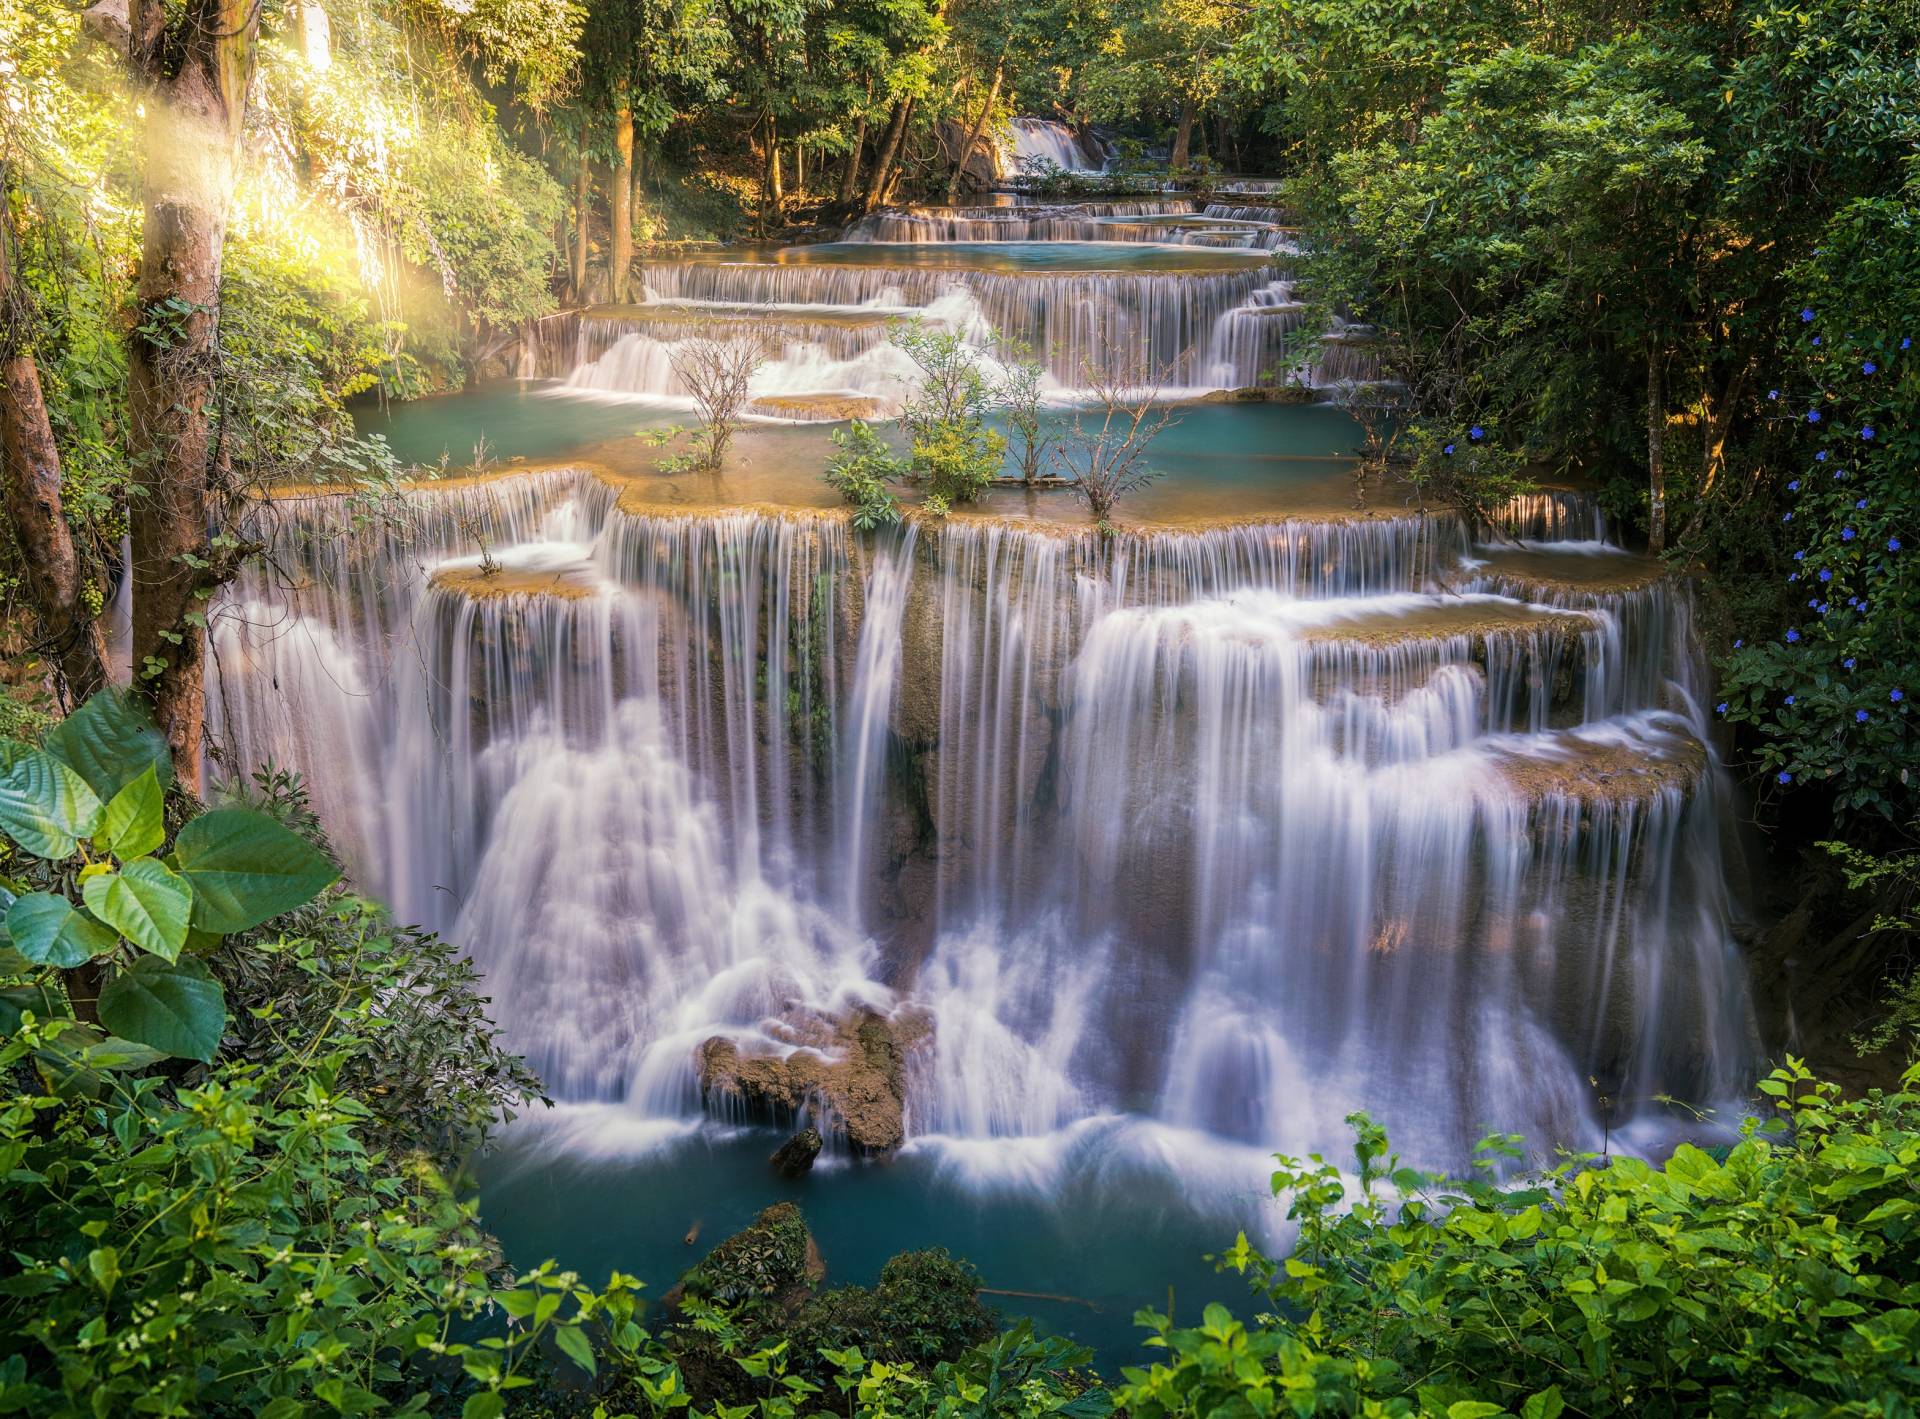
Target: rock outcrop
(850, 1072)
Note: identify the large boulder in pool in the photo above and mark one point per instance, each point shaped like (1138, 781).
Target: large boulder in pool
(850, 1072)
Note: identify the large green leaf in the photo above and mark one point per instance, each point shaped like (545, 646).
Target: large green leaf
(109, 741)
(145, 903)
(49, 932)
(45, 1001)
(44, 806)
(245, 868)
(174, 1006)
(135, 822)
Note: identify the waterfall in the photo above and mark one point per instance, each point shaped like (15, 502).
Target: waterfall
(1232, 830)
(1045, 140)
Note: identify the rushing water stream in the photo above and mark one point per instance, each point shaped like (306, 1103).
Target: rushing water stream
(1158, 853)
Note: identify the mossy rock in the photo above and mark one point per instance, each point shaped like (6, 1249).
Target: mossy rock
(772, 1260)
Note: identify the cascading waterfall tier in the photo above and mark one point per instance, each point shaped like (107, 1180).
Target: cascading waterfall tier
(1231, 831)
(1227, 324)
(1048, 143)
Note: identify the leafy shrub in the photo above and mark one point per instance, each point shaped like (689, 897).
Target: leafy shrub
(1829, 691)
(861, 471)
(1780, 1278)
(952, 449)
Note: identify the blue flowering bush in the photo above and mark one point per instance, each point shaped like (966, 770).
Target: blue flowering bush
(1829, 694)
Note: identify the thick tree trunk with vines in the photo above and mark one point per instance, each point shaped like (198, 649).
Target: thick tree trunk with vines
(850, 173)
(1656, 453)
(195, 71)
(582, 215)
(1183, 135)
(30, 496)
(889, 151)
(620, 247)
(973, 132)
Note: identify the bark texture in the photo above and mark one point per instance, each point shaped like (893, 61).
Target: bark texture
(973, 132)
(195, 69)
(620, 247)
(889, 152)
(30, 495)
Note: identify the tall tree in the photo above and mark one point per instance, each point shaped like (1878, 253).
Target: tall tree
(194, 63)
(31, 494)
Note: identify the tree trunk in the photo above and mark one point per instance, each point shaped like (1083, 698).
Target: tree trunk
(800, 171)
(1656, 453)
(850, 173)
(884, 159)
(582, 215)
(620, 248)
(973, 133)
(1183, 135)
(196, 81)
(30, 494)
(776, 184)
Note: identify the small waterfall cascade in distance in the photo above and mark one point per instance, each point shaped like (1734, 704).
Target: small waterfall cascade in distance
(1046, 141)
(1150, 290)
(1187, 843)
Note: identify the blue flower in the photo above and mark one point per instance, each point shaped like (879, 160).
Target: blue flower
(1785, 777)
(1906, 341)
(1813, 416)
(1825, 606)
(1816, 339)
(1787, 518)
(1867, 432)
(1801, 555)
(1792, 636)
(1860, 716)
(1897, 696)
(1476, 432)
(1848, 662)
(1862, 503)
(1863, 608)
(1794, 486)
(1820, 457)
(1738, 644)
(1853, 601)
(1789, 699)
(1826, 575)
(1806, 313)
(1721, 707)
(1893, 544)
(1448, 450)
(1869, 368)
(1773, 394)
(1793, 577)
(1814, 604)
(1847, 534)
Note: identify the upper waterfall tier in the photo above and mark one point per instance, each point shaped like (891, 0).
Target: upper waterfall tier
(1240, 828)
(1048, 143)
(1169, 221)
(1183, 318)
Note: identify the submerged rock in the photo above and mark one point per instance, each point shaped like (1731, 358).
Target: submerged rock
(851, 1071)
(794, 1158)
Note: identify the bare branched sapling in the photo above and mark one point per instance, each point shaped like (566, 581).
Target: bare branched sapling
(718, 373)
(1104, 450)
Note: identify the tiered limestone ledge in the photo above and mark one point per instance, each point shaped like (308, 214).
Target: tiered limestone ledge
(1596, 772)
(1478, 620)
(503, 582)
(1551, 572)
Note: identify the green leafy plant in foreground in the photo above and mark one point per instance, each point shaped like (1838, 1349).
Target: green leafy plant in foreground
(92, 896)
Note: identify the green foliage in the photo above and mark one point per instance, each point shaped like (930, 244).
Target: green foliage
(862, 471)
(952, 448)
(229, 870)
(1021, 396)
(1465, 468)
(1828, 691)
(758, 1263)
(1778, 1276)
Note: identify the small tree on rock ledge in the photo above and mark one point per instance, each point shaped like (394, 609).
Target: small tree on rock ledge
(1104, 451)
(718, 373)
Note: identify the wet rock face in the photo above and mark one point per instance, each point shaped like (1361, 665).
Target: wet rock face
(851, 1071)
(794, 1158)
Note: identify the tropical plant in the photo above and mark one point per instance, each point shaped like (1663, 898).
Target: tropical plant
(862, 471)
(952, 448)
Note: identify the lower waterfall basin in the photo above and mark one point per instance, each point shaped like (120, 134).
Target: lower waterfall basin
(1091, 1251)
(1220, 461)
